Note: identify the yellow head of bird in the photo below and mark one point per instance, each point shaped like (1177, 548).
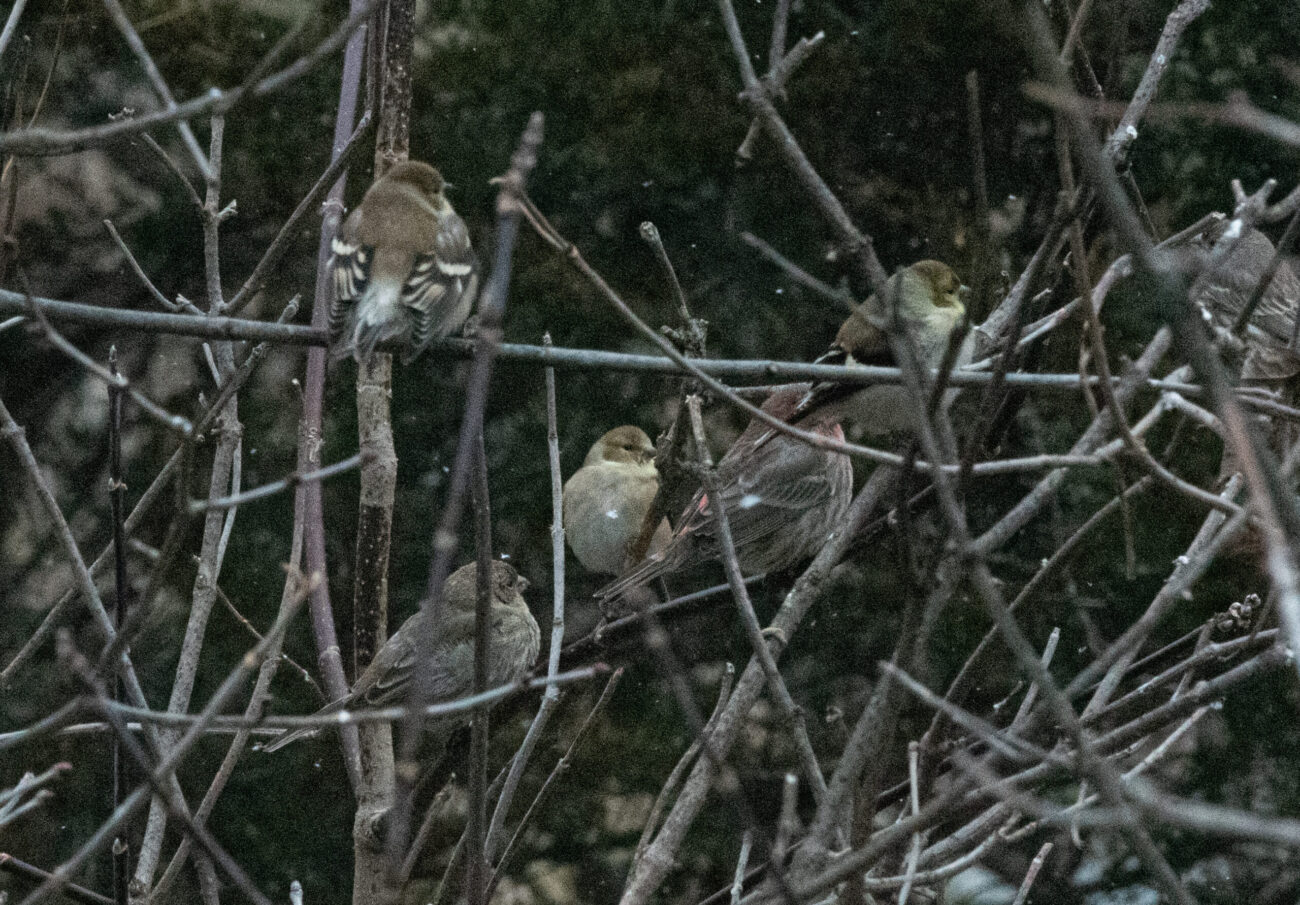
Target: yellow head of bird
(627, 444)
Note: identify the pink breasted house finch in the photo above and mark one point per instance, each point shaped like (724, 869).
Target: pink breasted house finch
(403, 266)
(782, 497)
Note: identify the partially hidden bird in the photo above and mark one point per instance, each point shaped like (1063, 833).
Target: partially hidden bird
(928, 298)
(783, 498)
(1222, 293)
(1267, 362)
(403, 266)
(606, 501)
(514, 643)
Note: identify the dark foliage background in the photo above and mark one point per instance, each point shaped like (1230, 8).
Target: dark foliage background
(642, 124)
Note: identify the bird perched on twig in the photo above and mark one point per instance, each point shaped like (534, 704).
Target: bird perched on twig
(782, 496)
(403, 266)
(1268, 362)
(1222, 294)
(607, 499)
(928, 300)
(514, 644)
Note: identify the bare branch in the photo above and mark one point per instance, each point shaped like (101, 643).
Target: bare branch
(551, 698)
(42, 142)
(11, 24)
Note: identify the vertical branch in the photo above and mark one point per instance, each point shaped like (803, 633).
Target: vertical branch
(117, 490)
(392, 63)
(476, 868)
(557, 533)
(551, 697)
(308, 507)
(675, 483)
(216, 525)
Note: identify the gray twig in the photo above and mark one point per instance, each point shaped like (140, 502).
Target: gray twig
(552, 696)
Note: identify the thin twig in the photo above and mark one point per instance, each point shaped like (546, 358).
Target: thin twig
(172, 422)
(786, 821)
(11, 865)
(333, 176)
(11, 24)
(560, 767)
(175, 169)
(742, 861)
(658, 858)
(164, 772)
(797, 273)
(759, 644)
(123, 23)
(142, 276)
(162, 790)
(426, 827)
(288, 482)
(42, 142)
(551, 699)
(675, 776)
(758, 96)
(146, 502)
(914, 854)
(313, 721)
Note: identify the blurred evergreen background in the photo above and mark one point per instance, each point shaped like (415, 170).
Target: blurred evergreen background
(642, 123)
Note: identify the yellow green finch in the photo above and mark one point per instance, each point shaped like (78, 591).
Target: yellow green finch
(607, 499)
(927, 300)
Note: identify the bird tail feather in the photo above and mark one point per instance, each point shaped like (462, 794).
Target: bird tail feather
(650, 569)
(289, 736)
(378, 316)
